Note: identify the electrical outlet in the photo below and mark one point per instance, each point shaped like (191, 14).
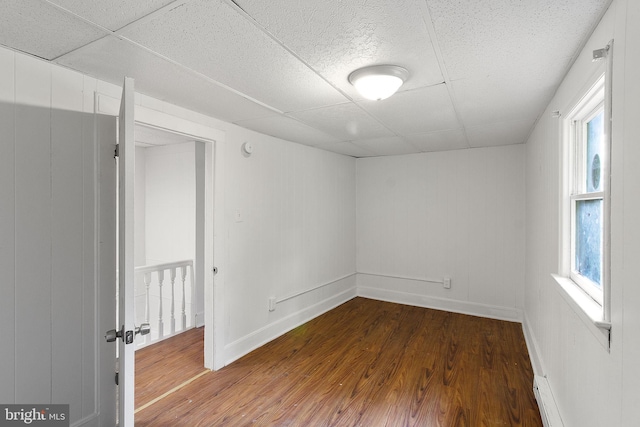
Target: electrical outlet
(447, 282)
(272, 304)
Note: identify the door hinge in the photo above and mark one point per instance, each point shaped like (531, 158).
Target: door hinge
(117, 151)
(117, 378)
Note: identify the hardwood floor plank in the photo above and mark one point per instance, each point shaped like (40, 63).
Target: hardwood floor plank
(167, 364)
(368, 363)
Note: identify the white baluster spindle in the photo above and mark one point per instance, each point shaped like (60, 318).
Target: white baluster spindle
(147, 308)
(160, 321)
(184, 299)
(172, 274)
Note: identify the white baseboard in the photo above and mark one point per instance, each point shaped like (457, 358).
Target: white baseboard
(546, 402)
(248, 343)
(532, 347)
(199, 319)
(455, 306)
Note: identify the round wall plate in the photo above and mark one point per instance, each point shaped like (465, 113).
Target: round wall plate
(247, 147)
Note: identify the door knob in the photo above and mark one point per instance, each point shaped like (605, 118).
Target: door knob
(113, 334)
(127, 336)
(143, 329)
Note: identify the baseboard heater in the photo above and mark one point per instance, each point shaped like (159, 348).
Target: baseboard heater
(547, 404)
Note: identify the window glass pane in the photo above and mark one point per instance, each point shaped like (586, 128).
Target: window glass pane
(588, 239)
(595, 142)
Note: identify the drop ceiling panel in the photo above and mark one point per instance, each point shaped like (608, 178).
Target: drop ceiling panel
(214, 39)
(111, 59)
(498, 38)
(504, 133)
(440, 141)
(483, 101)
(387, 146)
(287, 128)
(337, 37)
(281, 67)
(41, 29)
(416, 111)
(348, 149)
(344, 121)
(112, 14)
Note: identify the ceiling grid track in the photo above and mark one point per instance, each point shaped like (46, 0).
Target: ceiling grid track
(443, 69)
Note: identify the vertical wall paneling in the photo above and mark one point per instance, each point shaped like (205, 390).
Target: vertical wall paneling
(291, 221)
(455, 214)
(587, 380)
(48, 241)
(90, 327)
(33, 230)
(7, 225)
(67, 237)
(625, 266)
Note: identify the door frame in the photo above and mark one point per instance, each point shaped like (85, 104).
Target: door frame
(214, 253)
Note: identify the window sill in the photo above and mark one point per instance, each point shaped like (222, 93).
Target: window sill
(589, 311)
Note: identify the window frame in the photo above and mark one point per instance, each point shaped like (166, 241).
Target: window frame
(589, 107)
(594, 97)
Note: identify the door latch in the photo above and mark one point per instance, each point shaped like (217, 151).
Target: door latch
(127, 336)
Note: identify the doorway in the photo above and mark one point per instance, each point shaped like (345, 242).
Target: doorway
(167, 117)
(169, 251)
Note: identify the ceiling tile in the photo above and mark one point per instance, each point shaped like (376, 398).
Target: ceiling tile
(484, 100)
(475, 35)
(43, 30)
(212, 38)
(388, 146)
(111, 14)
(440, 141)
(337, 37)
(344, 121)
(503, 133)
(416, 111)
(287, 128)
(347, 148)
(111, 59)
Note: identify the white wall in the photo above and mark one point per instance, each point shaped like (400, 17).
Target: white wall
(165, 222)
(140, 256)
(458, 214)
(170, 203)
(295, 231)
(592, 387)
(50, 313)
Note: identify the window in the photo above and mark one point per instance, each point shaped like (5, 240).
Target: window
(588, 156)
(585, 200)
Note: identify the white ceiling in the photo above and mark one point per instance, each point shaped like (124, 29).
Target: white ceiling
(481, 71)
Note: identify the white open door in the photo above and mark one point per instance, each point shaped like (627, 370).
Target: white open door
(126, 175)
(125, 335)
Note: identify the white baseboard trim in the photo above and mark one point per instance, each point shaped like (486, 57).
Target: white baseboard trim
(546, 402)
(199, 319)
(532, 348)
(235, 350)
(455, 306)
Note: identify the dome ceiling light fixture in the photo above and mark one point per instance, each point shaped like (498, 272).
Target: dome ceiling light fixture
(378, 82)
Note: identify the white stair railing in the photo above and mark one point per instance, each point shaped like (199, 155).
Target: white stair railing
(149, 291)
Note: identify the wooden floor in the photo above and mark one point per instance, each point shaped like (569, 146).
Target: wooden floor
(165, 365)
(368, 363)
